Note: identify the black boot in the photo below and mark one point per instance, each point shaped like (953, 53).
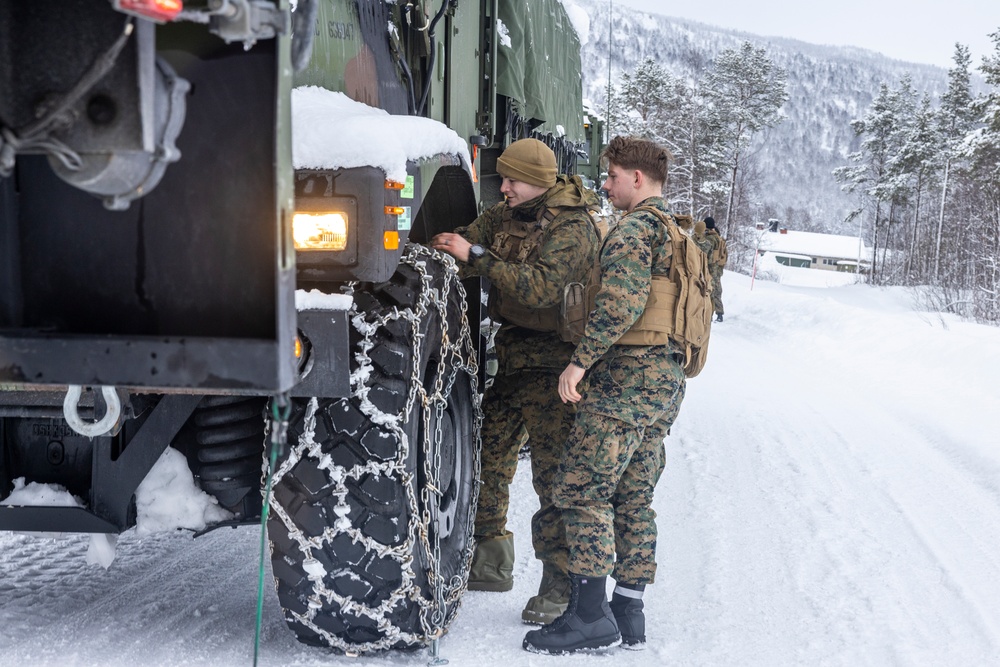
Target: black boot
(587, 623)
(718, 318)
(630, 619)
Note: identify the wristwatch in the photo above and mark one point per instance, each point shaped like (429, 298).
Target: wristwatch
(476, 251)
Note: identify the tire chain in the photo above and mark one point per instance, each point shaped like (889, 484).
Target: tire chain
(435, 614)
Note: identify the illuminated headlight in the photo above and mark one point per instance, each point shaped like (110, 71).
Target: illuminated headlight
(319, 231)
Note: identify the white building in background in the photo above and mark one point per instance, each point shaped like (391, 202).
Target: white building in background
(830, 252)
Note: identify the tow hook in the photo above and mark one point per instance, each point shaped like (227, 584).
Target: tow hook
(96, 428)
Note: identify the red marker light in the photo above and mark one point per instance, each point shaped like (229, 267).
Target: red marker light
(161, 11)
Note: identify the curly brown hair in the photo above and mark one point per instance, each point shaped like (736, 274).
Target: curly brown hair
(634, 153)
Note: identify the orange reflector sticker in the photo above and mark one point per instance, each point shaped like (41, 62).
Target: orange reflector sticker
(390, 240)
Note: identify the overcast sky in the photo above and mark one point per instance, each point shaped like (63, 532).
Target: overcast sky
(922, 31)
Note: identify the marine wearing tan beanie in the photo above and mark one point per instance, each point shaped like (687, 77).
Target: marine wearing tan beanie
(529, 161)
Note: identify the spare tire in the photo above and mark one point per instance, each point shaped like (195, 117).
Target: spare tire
(374, 500)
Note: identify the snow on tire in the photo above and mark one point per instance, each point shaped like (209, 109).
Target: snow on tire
(373, 506)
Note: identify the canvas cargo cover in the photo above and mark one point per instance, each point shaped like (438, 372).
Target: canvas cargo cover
(541, 68)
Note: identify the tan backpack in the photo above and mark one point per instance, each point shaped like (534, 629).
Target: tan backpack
(685, 222)
(721, 253)
(679, 307)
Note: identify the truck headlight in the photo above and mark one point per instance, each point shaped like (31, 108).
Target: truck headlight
(319, 231)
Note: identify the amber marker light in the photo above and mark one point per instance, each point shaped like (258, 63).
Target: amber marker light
(390, 240)
(298, 347)
(394, 210)
(319, 231)
(394, 185)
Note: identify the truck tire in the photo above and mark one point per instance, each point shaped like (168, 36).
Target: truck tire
(374, 501)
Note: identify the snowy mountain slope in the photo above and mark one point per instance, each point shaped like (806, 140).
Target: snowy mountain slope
(832, 497)
(828, 88)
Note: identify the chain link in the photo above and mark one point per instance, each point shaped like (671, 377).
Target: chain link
(457, 356)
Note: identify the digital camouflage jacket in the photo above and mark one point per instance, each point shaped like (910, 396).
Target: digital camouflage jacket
(567, 251)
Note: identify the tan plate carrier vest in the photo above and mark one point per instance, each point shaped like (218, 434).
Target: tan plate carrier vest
(679, 307)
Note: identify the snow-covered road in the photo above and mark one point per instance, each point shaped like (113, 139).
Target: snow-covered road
(832, 497)
(832, 490)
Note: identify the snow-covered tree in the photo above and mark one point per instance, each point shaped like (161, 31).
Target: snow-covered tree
(916, 164)
(870, 175)
(955, 121)
(744, 91)
(984, 145)
(905, 146)
(695, 161)
(647, 97)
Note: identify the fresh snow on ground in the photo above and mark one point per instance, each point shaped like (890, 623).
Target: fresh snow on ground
(831, 497)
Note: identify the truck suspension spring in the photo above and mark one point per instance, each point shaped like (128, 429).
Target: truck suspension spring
(229, 434)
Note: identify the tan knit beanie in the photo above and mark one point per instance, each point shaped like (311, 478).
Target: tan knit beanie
(530, 161)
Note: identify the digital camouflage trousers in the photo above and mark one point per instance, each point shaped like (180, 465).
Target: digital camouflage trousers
(524, 403)
(613, 460)
(717, 291)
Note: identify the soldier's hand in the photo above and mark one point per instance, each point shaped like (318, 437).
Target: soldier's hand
(567, 384)
(453, 244)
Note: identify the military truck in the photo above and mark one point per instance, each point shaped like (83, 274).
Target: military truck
(172, 273)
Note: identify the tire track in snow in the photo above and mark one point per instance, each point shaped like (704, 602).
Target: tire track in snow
(811, 525)
(148, 597)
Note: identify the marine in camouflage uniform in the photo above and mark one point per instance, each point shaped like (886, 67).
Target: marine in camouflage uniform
(524, 396)
(524, 392)
(615, 454)
(712, 236)
(609, 470)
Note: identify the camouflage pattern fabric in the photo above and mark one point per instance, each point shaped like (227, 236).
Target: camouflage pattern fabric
(635, 519)
(717, 291)
(609, 467)
(529, 399)
(567, 252)
(519, 349)
(524, 395)
(636, 249)
(716, 270)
